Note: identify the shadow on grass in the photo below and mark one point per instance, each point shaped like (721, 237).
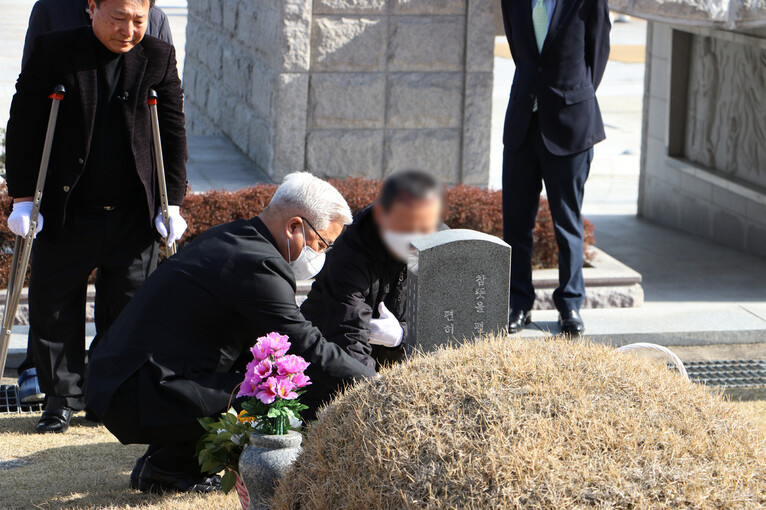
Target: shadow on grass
(91, 475)
(19, 423)
(25, 423)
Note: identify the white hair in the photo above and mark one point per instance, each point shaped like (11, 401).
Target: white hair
(302, 194)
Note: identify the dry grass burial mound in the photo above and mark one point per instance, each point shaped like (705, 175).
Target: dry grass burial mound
(534, 424)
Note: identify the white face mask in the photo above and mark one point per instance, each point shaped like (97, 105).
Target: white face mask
(309, 262)
(399, 243)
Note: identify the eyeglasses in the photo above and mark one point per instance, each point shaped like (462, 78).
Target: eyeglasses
(328, 246)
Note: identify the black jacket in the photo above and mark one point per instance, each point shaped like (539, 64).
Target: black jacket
(69, 58)
(194, 321)
(53, 15)
(358, 275)
(563, 77)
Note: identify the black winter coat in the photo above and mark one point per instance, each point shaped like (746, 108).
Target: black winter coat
(194, 320)
(69, 58)
(358, 275)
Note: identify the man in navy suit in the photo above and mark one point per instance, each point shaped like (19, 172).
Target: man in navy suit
(560, 48)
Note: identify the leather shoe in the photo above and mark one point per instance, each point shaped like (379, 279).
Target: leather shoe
(136, 473)
(55, 420)
(154, 480)
(518, 320)
(571, 323)
(91, 416)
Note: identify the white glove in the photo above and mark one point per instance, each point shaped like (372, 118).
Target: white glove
(386, 331)
(176, 221)
(18, 221)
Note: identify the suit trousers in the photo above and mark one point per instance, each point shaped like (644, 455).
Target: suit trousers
(172, 447)
(119, 244)
(524, 171)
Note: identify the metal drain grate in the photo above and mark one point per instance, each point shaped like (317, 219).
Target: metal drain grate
(10, 403)
(728, 374)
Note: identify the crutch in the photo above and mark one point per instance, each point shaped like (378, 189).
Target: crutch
(22, 247)
(164, 204)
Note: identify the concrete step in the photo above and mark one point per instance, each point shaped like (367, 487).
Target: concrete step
(666, 323)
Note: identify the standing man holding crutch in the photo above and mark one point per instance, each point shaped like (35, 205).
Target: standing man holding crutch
(101, 196)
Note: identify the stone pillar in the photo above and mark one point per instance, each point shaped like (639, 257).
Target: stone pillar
(247, 77)
(346, 87)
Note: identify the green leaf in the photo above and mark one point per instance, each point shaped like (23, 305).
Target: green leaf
(228, 480)
(211, 466)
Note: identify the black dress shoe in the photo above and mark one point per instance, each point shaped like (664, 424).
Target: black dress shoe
(154, 480)
(91, 416)
(55, 420)
(571, 323)
(136, 473)
(518, 320)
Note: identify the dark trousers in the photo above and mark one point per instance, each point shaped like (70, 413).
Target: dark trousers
(172, 448)
(118, 243)
(524, 171)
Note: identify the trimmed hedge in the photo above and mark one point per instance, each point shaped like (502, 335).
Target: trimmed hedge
(466, 207)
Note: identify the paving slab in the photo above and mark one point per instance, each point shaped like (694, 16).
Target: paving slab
(664, 323)
(215, 164)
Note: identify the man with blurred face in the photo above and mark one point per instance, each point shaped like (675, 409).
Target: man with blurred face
(180, 347)
(100, 205)
(358, 301)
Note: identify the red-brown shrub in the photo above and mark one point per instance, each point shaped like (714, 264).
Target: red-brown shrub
(466, 207)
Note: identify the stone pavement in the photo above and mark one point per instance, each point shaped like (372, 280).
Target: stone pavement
(696, 292)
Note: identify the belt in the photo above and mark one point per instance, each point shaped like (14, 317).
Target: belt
(94, 208)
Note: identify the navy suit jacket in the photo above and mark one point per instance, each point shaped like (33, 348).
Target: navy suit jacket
(563, 76)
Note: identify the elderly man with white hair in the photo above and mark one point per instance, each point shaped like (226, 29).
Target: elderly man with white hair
(178, 350)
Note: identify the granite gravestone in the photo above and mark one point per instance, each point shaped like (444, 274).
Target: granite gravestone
(458, 287)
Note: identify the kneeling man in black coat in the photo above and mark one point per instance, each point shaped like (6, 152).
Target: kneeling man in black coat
(358, 300)
(178, 350)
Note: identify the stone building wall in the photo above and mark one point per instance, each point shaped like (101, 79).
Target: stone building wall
(703, 160)
(345, 87)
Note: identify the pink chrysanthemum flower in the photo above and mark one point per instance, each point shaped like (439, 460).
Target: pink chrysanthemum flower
(291, 364)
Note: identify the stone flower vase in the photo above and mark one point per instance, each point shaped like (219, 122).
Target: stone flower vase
(264, 462)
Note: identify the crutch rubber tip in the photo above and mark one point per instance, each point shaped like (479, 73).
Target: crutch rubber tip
(152, 94)
(58, 93)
